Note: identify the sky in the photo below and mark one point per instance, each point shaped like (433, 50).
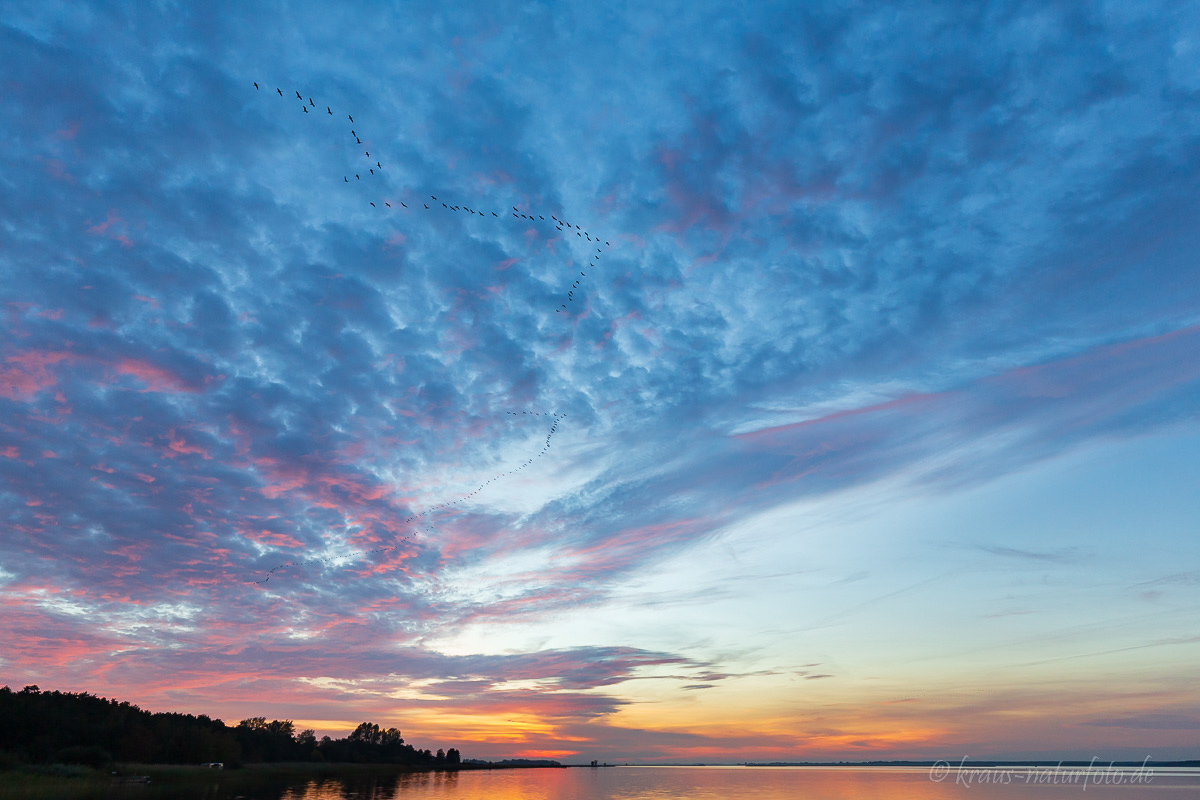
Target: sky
(853, 416)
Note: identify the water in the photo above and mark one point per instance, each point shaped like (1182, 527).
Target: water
(630, 783)
(761, 783)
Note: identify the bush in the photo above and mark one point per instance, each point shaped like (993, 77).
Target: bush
(59, 770)
(92, 755)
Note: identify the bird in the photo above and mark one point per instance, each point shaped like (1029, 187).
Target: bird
(330, 110)
(379, 165)
(351, 118)
(358, 140)
(356, 175)
(311, 103)
(374, 206)
(426, 205)
(256, 84)
(403, 205)
(298, 97)
(347, 180)
(352, 133)
(372, 170)
(368, 152)
(386, 203)
(305, 109)
(494, 214)
(279, 90)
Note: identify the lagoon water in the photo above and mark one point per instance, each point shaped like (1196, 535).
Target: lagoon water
(760, 783)
(634, 783)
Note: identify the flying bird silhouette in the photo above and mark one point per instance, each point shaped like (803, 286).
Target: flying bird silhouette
(280, 91)
(298, 97)
(256, 84)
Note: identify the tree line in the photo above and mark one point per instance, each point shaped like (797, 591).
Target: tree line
(80, 728)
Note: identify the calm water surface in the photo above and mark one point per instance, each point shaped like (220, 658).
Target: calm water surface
(760, 783)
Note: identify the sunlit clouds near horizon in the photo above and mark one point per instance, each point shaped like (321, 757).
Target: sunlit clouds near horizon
(853, 415)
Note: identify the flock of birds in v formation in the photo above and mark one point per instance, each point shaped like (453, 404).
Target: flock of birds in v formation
(561, 225)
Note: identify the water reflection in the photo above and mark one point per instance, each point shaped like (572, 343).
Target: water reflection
(411, 785)
(717, 783)
(642, 783)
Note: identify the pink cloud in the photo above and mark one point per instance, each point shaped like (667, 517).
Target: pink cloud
(67, 133)
(156, 378)
(23, 375)
(177, 445)
(272, 538)
(57, 170)
(110, 228)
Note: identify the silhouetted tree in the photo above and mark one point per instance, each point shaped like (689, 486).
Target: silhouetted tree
(41, 727)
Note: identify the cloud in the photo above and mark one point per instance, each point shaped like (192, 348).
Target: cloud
(841, 245)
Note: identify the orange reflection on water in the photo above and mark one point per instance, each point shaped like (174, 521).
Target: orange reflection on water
(655, 783)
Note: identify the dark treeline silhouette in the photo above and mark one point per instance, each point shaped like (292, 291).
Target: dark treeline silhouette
(79, 728)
